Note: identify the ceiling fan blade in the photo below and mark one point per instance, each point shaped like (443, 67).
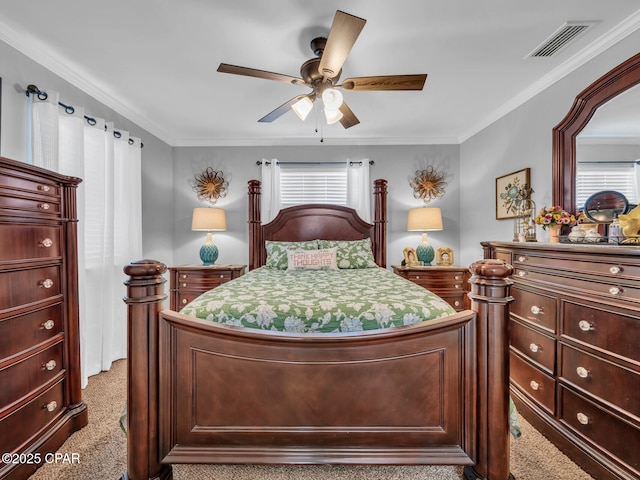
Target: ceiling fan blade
(348, 117)
(281, 110)
(342, 36)
(252, 72)
(385, 82)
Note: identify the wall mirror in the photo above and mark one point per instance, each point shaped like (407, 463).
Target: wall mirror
(607, 88)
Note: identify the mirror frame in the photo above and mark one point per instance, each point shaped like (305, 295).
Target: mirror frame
(613, 83)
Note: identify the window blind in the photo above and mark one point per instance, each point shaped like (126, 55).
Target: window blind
(322, 183)
(595, 177)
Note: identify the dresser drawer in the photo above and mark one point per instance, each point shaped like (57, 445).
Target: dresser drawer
(538, 347)
(23, 183)
(609, 382)
(534, 307)
(23, 287)
(28, 420)
(537, 384)
(29, 374)
(27, 242)
(199, 280)
(619, 437)
(599, 327)
(22, 332)
(31, 206)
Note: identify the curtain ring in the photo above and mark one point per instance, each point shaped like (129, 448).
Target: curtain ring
(91, 121)
(117, 134)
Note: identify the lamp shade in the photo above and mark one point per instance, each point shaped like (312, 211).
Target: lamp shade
(302, 107)
(208, 219)
(424, 219)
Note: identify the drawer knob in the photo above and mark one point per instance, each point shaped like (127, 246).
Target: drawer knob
(44, 188)
(585, 326)
(582, 372)
(184, 285)
(49, 324)
(615, 269)
(457, 277)
(184, 301)
(51, 406)
(534, 385)
(615, 290)
(582, 418)
(522, 258)
(456, 303)
(522, 273)
(47, 242)
(44, 206)
(50, 365)
(184, 275)
(418, 277)
(221, 276)
(47, 283)
(535, 348)
(457, 286)
(536, 310)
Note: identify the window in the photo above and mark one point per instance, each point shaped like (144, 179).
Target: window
(598, 176)
(313, 183)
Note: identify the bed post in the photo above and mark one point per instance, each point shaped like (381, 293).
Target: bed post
(489, 299)
(254, 224)
(145, 299)
(380, 221)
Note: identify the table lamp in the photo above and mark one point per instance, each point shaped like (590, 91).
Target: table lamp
(208, 220)
(424, 219)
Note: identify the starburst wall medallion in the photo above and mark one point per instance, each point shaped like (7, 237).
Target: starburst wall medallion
(428, 184)
(210, 185)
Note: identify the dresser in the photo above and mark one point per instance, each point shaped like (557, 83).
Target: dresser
(186, 282)
(449, 282)
(575, 349)
(40, 383)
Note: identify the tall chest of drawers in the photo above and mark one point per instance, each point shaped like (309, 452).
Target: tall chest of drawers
(40, 384)
(575, 349)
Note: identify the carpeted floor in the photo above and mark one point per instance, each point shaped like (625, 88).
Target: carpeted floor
(101, 447)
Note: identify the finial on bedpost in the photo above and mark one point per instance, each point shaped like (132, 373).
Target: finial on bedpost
(490, 298)
(254, 224)
(380, 221)
(145, 299)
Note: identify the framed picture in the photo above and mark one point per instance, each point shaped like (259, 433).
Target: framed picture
(509, 192)
(444, 256)
(410, 257)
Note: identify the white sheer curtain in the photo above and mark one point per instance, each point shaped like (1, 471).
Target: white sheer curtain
(270, 198)
(359, 188)
(109, 210)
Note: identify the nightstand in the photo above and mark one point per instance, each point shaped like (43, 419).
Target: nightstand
(451, 282)
(189, 281)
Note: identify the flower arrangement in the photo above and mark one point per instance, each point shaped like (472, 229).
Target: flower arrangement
(551, 216)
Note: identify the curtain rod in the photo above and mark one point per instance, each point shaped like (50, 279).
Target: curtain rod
(637, 162)
(69, 110)
(268, 162)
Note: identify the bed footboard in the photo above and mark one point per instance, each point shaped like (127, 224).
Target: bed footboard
(432, 393)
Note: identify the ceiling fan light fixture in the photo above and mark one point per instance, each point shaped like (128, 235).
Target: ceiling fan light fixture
(302, 107)
(332, 115)
(332, 99)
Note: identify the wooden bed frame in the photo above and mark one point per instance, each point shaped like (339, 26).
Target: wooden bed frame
(430, 393)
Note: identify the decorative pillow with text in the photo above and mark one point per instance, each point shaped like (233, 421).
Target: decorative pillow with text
(277, 251)
(324, 259)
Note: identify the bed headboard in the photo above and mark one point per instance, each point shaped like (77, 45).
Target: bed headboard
(317, 221)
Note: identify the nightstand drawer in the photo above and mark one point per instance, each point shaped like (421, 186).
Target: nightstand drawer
(537, 384)
(538, 347)
(193, 279)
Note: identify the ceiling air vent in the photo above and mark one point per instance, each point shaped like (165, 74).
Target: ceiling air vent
(566, 34)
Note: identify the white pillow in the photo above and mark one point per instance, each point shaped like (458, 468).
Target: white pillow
(324, 259)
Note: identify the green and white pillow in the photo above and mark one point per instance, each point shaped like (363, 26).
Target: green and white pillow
(277, 252)
(352, 253)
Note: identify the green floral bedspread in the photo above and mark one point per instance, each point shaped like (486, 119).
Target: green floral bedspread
(318, 301)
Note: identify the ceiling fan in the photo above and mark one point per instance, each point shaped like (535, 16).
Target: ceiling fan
(322, 73)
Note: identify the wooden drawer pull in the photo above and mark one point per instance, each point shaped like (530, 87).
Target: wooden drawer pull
(582, 372)
(535, 347)
(534, 385)
(585, 326)
(47, 242)
(48, 325)
(50, 365)
(44, 206)
(537, 310)
(582, 418)
(615, 290)
(51, 406)
(47, 283)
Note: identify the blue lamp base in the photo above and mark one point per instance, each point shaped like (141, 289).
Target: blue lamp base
(425, 252)
(208, 251)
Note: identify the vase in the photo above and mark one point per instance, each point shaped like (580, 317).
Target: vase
(554, 234)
